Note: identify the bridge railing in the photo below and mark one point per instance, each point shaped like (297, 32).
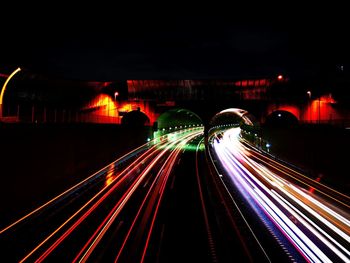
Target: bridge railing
(27, 113)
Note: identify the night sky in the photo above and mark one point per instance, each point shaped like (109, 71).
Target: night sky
(110, 43)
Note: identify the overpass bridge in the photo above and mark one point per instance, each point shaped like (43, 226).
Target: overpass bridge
(154, 102)
(267, 100)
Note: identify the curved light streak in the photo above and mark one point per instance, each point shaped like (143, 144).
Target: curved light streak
(239, 112)
(4, 88)
(319, 227)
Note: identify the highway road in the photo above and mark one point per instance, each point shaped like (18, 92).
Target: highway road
(158, 203)
(170, 200)
(103, 216)
(308, 220)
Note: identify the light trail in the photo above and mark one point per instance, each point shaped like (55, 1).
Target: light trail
(239, 210)
(151, 189)
(111, 190)
(127, 182)
(301, 178)
(72, 189)
(170, 165)
(105, 226)
(204, 210)
(320, 234)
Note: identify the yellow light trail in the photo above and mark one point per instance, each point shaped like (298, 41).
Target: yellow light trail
(4, 88)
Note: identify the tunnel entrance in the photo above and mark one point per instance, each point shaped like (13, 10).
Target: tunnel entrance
(232, 116)
(178, 118)
(281, 118)
(135, 118)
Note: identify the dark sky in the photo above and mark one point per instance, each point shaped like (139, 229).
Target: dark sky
(110, 43)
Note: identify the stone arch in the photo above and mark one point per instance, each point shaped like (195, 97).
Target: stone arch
(281, 118)
(293, 109)
(135, 118)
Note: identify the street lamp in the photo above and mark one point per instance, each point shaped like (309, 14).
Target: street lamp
(4, 88)
(309, 94)
(116, 94)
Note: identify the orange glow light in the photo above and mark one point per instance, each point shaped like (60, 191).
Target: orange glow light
(104, 105)
(252, 83)
(110, 176)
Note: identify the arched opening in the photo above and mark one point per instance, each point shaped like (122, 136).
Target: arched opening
(135, 118)
(178, 119)
(233, 116)
(281, 118)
